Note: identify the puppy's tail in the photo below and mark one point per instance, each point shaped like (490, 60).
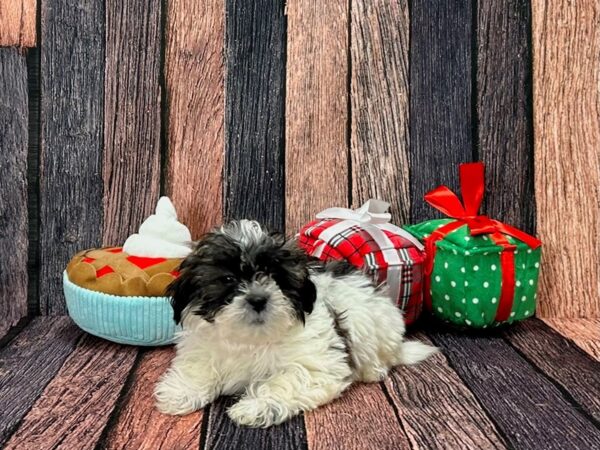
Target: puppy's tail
(413, 352)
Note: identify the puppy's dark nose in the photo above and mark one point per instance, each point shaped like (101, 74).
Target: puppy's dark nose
(257, 303)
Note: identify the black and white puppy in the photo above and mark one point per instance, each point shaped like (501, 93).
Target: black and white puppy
(262, 320)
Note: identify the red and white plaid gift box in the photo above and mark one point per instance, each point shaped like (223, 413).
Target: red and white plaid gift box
(365, 238)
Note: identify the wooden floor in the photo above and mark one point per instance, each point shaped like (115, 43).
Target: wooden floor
(527, 387)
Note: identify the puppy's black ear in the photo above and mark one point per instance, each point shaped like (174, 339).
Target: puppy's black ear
(181, 291)
(308, 295)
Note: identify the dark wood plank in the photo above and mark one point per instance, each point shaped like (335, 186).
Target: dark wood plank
(504, 96)
(131, 166)
(75, 407)
(380, 124)
(561, 360)
(222, 433)
(566, 45)
(17, 23)
(13, 187)
(316, 152)
(440, 97)
(584, 332)
(361, 419)
(432, 393)
(28, 363)
(194, 72)
(255, 47)
(527, 408)
(130, 429)
(72, 106)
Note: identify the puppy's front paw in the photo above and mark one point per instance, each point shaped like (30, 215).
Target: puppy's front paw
(177, 399)
(257, 412)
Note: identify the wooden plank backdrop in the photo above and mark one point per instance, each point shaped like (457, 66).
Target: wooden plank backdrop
(17, 23)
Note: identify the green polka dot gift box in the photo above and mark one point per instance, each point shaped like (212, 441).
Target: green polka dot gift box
(479, 272)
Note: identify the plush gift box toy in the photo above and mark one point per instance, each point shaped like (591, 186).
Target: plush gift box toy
(479, 271)
(365, 238)
(118, 293)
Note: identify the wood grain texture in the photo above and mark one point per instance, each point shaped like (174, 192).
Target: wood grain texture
(316, 153)
(131, 166)
(28, 363)
(131, 430)
(222, 433)
(440, 97)
(75, 406)
(13, 187)
(255, 49)
(72, 81)
(361, 419)
(380, 104)
(503, 110)
(528, 409)
(566, 66)
(584, 332)
(432, 393)
(17, 23)
(561, 360)
(194, 74)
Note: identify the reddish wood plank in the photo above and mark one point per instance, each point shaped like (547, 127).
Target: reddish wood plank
(17, 23)
(361, 419)
(75, 407)
(561, 360)
(131, 430)
(566, 50)
(28, 363)
(132, 111)
(316, 159)
(379, 150)
(584, 332)
(195, 99)
(437, 410)
(13, 186)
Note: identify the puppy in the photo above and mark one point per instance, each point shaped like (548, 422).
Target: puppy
(262, 320)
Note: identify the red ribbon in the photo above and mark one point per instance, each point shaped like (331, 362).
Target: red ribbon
(472, 186)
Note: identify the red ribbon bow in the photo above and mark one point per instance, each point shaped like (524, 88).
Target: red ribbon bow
(472, 186)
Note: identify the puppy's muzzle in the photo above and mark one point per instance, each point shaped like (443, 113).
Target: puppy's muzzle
(257, 302)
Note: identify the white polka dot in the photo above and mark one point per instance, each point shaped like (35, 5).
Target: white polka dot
(437, 278)
(518, 283)
(425, 236)
(467, 238)
(528, 250)
(526, 313)
(516, 252)
(467, 252)
(486, 284)
(523, 266)
(445, 265)
(524, 298)
(430, 292)
(485, 238)
(467, 321)
(485, 253)
(535, 295)
(462, 269)
(475, 300)
(440, 309)
(466, 283)
(537, 264)
(530, 282)
(482, 314)
(453, 283)
(464, 300)
(485, 326)
(512, 314)
(476, 268)
(455, 252)
(493, 266)
(494, 300)
(457, 314)
(446, 297)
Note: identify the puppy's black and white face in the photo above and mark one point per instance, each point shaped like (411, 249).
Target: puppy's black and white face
(245, 281)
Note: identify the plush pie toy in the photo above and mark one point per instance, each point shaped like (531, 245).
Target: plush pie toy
(118, 293)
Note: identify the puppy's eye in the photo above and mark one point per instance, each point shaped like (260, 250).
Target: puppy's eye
(227, 279)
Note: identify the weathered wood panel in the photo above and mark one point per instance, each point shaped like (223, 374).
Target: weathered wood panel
(440, 97)
(13, 187)
(432, 393)
(561, 360)
(528, 409)
(28, 363)
(503, 110)
(131, 167)
(316, 153)
(255, 49)
(17, 23)
(362, 419)
(380, 87)
(139, 425)
(72, 106)
(222, 433)
(194, 73)
(75, 407)
(584, 332)
(566, 63)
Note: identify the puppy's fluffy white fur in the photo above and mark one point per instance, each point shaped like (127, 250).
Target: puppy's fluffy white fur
(286, 366)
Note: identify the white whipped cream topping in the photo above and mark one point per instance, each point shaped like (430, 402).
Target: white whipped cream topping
(161, 235)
